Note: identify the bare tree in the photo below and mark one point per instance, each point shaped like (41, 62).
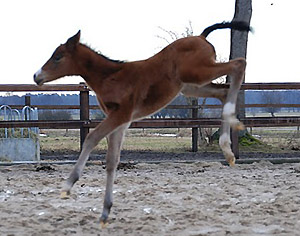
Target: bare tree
(205, 134)
(170, 37)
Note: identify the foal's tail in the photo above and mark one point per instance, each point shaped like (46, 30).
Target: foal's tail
(236, 25)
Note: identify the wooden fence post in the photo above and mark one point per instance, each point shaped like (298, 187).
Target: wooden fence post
(84, 115)
(195, 130)
(27, 100)
(27, 103)
(235, 134)
(235, 143)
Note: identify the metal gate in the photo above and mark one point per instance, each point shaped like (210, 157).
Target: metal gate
(19, 144)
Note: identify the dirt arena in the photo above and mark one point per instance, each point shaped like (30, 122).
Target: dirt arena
(201, 198)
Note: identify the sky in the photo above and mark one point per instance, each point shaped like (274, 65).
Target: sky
(127, 30)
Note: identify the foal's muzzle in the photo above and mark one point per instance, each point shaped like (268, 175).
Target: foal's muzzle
(38, 77)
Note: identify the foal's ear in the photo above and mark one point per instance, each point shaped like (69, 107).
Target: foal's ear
(73, 41)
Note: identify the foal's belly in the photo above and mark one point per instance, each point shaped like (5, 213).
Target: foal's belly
(155, 102)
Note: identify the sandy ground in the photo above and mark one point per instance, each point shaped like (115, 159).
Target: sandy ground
(202, 198)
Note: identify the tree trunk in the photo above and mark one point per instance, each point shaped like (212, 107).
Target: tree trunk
(238, 45)
(239, 39)
(238, 48)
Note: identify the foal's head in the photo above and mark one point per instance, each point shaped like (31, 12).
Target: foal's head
(61, 63)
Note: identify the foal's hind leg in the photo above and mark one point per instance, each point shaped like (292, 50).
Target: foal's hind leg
(211, 90)
(237, 70)
(115, 141)
(225, 143)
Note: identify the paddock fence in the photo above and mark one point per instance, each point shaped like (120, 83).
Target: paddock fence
(84, 123)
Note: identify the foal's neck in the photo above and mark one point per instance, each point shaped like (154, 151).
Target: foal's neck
(94, 66)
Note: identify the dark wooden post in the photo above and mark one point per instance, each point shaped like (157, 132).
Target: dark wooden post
(195, 130)
(235, 143)
(27, 103)
(235, 133)
(84, 115)
(27, 100)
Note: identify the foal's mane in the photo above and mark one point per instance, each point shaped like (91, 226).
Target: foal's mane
(100, 54)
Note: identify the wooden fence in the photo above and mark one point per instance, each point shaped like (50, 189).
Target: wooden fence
(84, 123)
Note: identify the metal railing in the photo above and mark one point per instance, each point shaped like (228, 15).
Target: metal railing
(8, 114)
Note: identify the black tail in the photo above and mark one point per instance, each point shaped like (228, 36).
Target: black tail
(236, 25)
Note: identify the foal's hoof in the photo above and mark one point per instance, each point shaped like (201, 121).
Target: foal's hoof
(103, 225)
(65, 195)
(103, 222)
(231, 163)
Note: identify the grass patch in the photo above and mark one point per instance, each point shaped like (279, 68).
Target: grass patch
(262, 140)
(17, 133)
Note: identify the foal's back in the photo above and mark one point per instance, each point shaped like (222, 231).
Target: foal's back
(160, 78)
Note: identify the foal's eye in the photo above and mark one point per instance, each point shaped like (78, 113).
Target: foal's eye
(57, 57)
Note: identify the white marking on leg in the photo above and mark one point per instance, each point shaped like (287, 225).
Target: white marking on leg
(229, 109)
(229, 114)
(224, 142)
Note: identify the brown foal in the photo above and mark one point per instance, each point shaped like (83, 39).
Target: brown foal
(133, 90)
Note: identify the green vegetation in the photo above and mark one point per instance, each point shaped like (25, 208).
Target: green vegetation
(248, 140)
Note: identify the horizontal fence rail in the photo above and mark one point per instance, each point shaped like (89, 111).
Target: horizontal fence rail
(156, 123)
(84, 123)
(43, 88)
(84, 87)
(96, 107)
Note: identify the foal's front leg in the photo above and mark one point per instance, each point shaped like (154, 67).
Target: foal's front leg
(115, 141)
(93, 138)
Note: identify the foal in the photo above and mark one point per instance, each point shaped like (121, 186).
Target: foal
(133, 90)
